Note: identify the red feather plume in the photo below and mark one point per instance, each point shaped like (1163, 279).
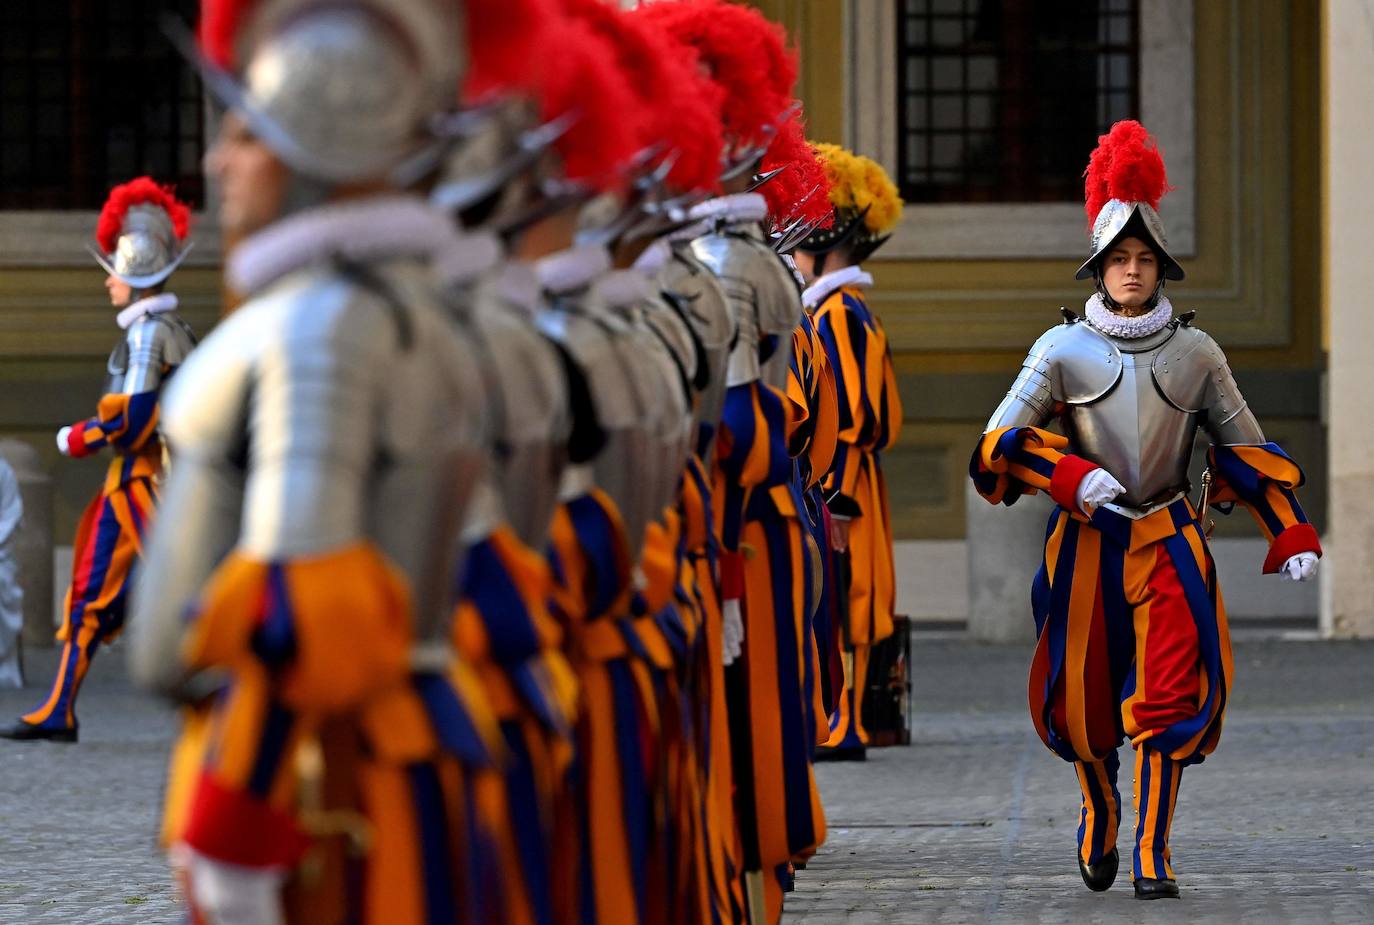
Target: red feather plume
(574, 71)
(503, 38)
(136, 192)
(802, 189)
(678, 107)
(1126, 165)
(220, 22)
(745, 54)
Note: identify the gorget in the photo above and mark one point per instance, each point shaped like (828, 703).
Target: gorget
(362, 230)
(829, 283)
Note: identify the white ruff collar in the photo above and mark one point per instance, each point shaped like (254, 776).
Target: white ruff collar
(737, 207)
(573, 268)
(364, 229)
(1109, 322)
(470, 254)
(828, 283)
(153, 305)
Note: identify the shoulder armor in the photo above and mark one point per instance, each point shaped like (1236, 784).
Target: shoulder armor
(1083, 366)
(750, 272)
(1183, 366)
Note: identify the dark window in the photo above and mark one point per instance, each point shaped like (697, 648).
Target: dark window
(1003, 100)
(92, 94)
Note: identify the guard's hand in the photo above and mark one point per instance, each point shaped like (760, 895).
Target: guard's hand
(62, 441)
(839, 533)
(231, 894)
(732, 640)
(1300, 567)
(1097, 488)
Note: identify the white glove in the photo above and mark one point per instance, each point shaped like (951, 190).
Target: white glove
(1300, 567)
(732, 639)
(231, 894)
(1096, 489)
(62, 441)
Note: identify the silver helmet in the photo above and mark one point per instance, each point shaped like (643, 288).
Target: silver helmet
(1117, 220)
(1124, 182)
(346, 91)
(141, 233)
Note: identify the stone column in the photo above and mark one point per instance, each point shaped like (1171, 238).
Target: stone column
(1005, 546)
(1348, 84)
(33, 545)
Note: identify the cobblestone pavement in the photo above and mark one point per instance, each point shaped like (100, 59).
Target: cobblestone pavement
(973, 824)
(976, 822)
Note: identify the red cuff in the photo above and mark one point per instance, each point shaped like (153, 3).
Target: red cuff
(239, 828)
(1297, 538)
(731, 576)
(76, 441)
(1068, 473)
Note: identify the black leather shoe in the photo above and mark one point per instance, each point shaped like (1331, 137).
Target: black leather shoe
(852, 753)
(1146, 888)
(1102, 875)
(28, 732)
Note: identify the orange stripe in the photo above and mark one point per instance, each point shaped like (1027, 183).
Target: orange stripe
(1082, 595)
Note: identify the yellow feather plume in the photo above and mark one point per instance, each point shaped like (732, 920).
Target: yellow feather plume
(858, 183)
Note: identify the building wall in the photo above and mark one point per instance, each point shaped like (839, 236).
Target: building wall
(960, 326)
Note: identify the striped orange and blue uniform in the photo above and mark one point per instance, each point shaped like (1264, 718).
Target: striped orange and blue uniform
(503, 630)
(777, 806)
(109, 539)
(870, 420)
(619, 861)
(316, 653)
(718, 845)
(1132, 632)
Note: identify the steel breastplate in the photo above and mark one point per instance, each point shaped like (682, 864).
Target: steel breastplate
(1129, 428)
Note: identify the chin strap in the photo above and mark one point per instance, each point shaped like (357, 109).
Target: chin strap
(1113, 304)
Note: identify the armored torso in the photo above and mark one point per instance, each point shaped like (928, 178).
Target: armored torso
(762, 292)
(152, 347)
(1131, 405)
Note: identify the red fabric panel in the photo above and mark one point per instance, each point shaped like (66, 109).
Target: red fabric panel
(1169, 675)
(1297, 538)
(1068, 473)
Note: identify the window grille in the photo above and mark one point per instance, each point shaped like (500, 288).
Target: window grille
(1003, 100)
(92, 94)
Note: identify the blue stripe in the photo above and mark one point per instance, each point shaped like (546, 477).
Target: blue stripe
(635, 799)
(431, 819)
(797, 744)
(454, 728)
(487, 584)
(1142, 811)
(276, 729)
(530, 837)
(596, 536)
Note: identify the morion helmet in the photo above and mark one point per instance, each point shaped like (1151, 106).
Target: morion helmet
(1124, 183)
(141, 233)
(866, 203)
(340, 90)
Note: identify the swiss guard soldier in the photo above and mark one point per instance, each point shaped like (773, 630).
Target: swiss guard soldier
(1133, 639)
(141, 234)
(328, 434)
(867, 208)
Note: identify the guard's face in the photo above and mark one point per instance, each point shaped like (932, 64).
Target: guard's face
(252, 181)
(120, 291)
(1130, 271)
(806, 265)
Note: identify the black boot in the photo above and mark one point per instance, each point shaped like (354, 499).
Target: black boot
(1102, 875)
(1146, 888)
(844, 753)
(21, 731)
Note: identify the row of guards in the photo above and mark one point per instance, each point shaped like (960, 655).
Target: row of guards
(518, 544)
